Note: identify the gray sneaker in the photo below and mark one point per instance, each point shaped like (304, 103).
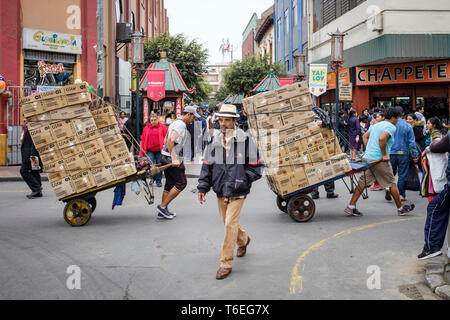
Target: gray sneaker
(353, 212)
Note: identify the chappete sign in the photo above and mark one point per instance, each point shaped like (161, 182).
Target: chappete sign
(43, 40)
(156, 84)
(318, 79)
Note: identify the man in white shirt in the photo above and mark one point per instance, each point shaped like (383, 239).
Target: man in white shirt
(173, 153)
(420, 110)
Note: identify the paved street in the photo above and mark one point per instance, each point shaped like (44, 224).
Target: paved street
(128, 254)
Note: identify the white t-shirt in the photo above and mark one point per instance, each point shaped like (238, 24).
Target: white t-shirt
(180, 127)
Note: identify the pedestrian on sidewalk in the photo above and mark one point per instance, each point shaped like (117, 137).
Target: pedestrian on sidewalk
(438, 210)
(403, 148)
(172, 153)
(152, 143)
(231, 164)
(31, 177)
(378, 141)
(122, 120)
(354, 133)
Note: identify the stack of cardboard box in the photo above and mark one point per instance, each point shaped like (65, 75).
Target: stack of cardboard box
(79, 148)
(297, 150)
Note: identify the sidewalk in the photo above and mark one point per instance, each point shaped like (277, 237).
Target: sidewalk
(12, 173)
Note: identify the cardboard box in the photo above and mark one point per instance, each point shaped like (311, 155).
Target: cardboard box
(305, 117)
(71, 112)
(57, 102)
(105, 116)
(103, 175)
(42, 117)
(31, 99)
(71, 151)
(299, 180)
(55, 170)
(333, 147)
(110, 134)
(78, 98)
(314, 141)
(63, 129)
(117, 150)
(88, 136)
(31, 109)
(63, 187)
(83, 181)
(97, 156)
(327, 133)
(50, 156)
(318, 154)
(301, 103)
(50, 94)
(84, 125)
(314, 127)
(76, 163)
(42, 136)
(96, 143)
(301, 158)
(76, 88)
(68, 142)
(124, 167)
(269, 122)
(340, 164)
(105, 121)
(290, 135)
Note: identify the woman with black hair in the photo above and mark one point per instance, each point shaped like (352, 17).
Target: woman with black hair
(434, 127)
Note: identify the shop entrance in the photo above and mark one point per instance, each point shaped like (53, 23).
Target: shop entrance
(434, 107)
(387, 102)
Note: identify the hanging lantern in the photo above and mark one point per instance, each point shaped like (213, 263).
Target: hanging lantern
(2, 86)
(300, 64)
(137, 48)
(337, 46)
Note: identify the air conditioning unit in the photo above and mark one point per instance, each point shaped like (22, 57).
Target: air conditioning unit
(123, 32)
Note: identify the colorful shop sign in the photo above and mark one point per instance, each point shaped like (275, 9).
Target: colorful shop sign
(49, 68)
(344, 76)
(423, 72)
(318, 79)
(37, 39)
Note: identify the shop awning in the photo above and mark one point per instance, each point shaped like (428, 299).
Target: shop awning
(235, 99)
(269, 83)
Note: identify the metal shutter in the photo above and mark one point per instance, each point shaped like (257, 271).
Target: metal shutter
(328, 11)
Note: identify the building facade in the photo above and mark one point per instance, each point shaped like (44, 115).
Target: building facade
(249, 47)
(290, 28)
(214, 76)
(264, 35)
(395, 52)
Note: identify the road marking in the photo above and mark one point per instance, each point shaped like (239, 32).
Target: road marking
(16, 191)
(296, 279)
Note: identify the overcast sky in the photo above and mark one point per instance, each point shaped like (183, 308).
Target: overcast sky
(210, 21)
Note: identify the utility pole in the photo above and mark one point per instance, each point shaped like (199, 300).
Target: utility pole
(100, 53)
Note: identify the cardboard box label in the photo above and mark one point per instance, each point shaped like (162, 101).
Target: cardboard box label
(117, 150)
(53, 103)
(78, 98)
(63, 187)
(68, 142)
(97, 157)
(55, 170)
(84, 125)
(71, 112)
(88, 136)
(110, 134)
(31, 109)
(63, 129)
(103, 175)
(42, 136)
(76, 163)
(75, 88)
(83, 181)
(71, 151)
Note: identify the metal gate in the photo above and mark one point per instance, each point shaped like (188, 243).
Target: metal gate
(14, 122)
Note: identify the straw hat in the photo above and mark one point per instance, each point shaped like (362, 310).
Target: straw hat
(227, 110)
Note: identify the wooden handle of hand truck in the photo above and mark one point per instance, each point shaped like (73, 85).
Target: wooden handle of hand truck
(155, 170)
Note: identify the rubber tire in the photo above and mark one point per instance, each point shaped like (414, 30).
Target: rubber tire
(93, 203)
(280, 205)
(86, 211)
(298, 205)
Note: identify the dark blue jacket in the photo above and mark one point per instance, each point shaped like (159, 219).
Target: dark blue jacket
(404, 139)
(230, 176)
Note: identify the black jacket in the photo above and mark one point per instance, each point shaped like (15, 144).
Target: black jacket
(27, 150)
(230, 176)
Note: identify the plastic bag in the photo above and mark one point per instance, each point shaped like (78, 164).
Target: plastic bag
(412, 181)
(438, 169)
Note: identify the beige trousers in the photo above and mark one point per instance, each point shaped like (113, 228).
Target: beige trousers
(230, 213)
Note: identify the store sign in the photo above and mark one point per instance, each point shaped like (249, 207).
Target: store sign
(345, 91)
(50, 68)
(37, 39)
(424, 72)
(156, 84)
(318, 79)
(178, 108)
(344, 76)
(145, 110)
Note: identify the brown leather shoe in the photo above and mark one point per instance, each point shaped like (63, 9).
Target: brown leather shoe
(222, 273)
(241, 251)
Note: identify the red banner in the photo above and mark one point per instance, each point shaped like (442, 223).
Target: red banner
(156, 84)
(178, 108)
(286, 81)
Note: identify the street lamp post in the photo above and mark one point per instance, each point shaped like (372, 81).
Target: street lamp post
(337, 53)
(137, 58)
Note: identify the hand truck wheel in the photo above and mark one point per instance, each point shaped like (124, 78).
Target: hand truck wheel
(282, 204)
(301, 208)
(77, 212)
(93, 203)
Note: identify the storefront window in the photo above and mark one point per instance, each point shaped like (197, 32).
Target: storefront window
(435, 107)
(47, 74)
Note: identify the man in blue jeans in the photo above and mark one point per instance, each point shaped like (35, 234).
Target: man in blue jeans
(404, 145)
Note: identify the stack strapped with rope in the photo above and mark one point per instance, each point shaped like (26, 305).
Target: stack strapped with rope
(77, 138)
(298, 151)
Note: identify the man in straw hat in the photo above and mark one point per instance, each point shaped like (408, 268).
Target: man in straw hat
(231, 164)
(172, 152)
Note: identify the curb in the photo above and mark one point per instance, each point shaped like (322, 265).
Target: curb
(438, 276)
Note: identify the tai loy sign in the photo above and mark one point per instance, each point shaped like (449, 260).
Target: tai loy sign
(37, 39)
(318, 79)
(429, 71)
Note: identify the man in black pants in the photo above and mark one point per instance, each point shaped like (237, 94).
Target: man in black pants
(31, 177)
(329, 188)
(172, 152)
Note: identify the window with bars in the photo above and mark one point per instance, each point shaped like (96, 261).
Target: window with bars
(330, 10)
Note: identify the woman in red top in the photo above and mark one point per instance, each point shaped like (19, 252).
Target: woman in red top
(152, 141)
